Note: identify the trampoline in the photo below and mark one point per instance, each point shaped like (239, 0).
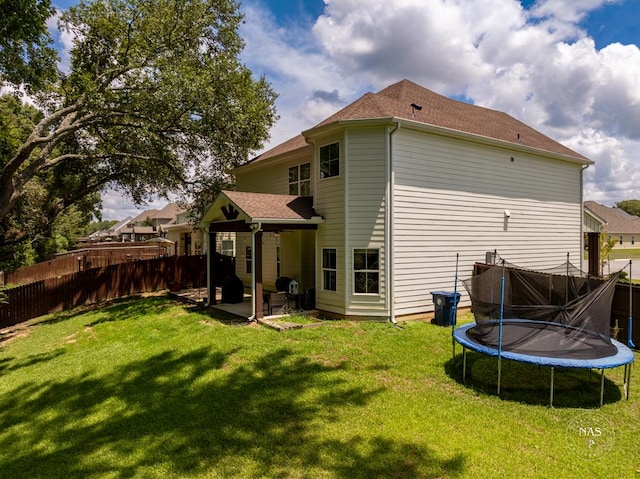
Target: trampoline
(543, 318)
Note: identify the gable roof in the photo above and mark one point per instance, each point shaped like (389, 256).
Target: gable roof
(410, 101)
(617, 220)
(262, 207)
(270, 206)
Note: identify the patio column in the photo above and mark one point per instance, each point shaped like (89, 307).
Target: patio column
(257, 261)
(213, 268)
(593, 247)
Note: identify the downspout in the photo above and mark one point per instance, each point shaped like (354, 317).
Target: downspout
(255, 228)
(390, 229)
(581, 248)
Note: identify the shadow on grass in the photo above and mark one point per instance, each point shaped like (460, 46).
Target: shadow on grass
(530, 384)
(203, 412)
(114, 309)
(13, 364)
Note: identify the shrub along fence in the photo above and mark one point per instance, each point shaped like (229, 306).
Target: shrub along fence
(98, 284)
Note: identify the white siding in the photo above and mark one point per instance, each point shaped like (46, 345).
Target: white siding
(450, 197)
(365, 202)
(330, 203)
(273, 177)
(269, 243)
(296, 255)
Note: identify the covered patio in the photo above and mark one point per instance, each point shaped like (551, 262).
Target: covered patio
(254, 214)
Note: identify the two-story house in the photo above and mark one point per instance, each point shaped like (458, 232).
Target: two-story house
(369, 209)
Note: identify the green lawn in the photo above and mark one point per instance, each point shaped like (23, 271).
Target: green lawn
(633, 254)
(153, 389)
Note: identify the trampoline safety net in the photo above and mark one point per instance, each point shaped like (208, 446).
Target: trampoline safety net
(542, 313)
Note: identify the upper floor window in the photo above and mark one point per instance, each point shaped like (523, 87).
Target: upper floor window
(300, 180)
(330, 160)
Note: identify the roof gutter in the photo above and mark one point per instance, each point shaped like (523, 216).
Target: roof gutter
(316, 220)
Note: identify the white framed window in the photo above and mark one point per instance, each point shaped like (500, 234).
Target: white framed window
(330, 160)
(248, 257)
(329, 269)
(300, 180)
(226, 247)
(366, 271)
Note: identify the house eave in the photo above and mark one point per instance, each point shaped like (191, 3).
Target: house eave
(316, 220)
(313, 133)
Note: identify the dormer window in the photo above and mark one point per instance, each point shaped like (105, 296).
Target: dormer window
(300, 180)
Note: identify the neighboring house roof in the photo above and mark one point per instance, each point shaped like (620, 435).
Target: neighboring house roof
(121, 224)
(409, 101)
(168, 213)
(144, 230)
(617, 220)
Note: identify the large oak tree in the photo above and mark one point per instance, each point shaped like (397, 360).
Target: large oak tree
(156, 102)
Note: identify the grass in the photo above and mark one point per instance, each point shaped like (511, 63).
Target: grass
(151, 388)
(626, 253)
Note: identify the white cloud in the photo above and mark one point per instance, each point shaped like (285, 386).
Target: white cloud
(116, 207)
(538, 65)
(310, 84)
(64, 41)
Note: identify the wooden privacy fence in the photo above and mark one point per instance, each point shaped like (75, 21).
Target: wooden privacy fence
(99, 284)
(83, 259)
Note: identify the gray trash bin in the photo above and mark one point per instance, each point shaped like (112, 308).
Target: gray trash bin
(444, 302)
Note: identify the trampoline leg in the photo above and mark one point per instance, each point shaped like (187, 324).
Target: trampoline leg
(602, 388)
(551, 388)
(627, 380)
(453, 354)
(464, 365)
(499, 374)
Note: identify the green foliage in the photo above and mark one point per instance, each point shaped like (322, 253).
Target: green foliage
(606, 246)
(41, 221)
(156, 102)
(630, 206)
(26, 55)
(95, 226)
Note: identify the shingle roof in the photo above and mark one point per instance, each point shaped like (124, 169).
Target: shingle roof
(618, 221)
(396, 101)
(270, 206)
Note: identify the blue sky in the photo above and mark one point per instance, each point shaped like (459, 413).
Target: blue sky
(569, 68)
